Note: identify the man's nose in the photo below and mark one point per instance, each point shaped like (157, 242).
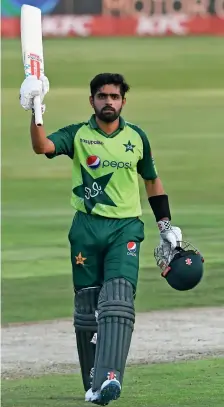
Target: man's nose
(109, 100)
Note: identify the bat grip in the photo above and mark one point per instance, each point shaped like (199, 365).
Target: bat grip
(38, 111)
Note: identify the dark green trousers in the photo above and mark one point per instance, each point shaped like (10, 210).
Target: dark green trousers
(104, 248)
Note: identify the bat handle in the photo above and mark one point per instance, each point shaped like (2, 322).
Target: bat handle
(38, 111)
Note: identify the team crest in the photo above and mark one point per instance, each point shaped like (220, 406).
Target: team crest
(129, 147)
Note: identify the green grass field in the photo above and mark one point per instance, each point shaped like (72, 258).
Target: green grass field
(189, 384)
(177, 97)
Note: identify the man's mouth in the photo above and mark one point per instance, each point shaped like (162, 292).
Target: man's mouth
(108, 109)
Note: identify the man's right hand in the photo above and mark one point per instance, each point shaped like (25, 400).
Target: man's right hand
(32, 87)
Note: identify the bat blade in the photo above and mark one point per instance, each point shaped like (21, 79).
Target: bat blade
(32, 49)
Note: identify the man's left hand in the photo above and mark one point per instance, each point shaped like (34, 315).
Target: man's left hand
(169, 234)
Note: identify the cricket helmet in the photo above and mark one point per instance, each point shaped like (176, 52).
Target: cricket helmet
(182, 267)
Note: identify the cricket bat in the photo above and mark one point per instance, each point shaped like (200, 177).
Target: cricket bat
(32, 49)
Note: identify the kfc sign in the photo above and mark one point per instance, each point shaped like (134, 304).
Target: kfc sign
(162, 25)
(64, 26)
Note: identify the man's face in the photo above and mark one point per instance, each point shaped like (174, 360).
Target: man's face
(108, 103)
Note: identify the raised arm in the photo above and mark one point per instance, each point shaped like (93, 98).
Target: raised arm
(41, 144)
(30, 88)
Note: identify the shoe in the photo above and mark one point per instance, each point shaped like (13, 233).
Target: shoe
(89, 395)
(110, 390)
(94, 397)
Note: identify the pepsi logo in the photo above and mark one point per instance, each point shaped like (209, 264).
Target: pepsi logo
(131, 247)
(93, 161)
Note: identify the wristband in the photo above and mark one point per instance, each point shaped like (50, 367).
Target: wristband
(160, 206)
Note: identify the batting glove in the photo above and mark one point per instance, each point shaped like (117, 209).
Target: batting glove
(169, 234)
(32, 87)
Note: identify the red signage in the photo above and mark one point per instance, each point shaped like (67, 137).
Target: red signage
(85, 26)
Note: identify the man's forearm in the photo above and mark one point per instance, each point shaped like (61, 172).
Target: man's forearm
(158, 199)
(40, 143)
(154, 187)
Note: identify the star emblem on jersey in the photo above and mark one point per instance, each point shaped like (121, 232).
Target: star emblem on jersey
(92, 191)
(80, 259)
(129, 147)
(188, 262)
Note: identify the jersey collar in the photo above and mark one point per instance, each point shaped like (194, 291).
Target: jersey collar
(93, 124)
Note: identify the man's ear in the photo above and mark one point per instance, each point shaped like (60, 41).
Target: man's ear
(124, 102)
(91, 100)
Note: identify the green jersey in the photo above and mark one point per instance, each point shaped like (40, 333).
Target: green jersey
(106, 167)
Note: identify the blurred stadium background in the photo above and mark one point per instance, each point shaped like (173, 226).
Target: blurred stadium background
(171, 53)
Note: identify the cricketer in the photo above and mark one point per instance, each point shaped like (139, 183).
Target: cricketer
(108, 155)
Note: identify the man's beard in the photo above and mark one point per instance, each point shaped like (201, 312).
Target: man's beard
(107, 114)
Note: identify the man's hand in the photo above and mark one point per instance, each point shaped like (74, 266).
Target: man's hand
(32, 87)
(170, 241)
(169, 234)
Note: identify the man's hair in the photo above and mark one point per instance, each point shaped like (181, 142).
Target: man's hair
(109, 79)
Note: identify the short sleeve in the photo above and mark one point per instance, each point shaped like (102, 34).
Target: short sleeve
(63, 140)
(146, 166)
